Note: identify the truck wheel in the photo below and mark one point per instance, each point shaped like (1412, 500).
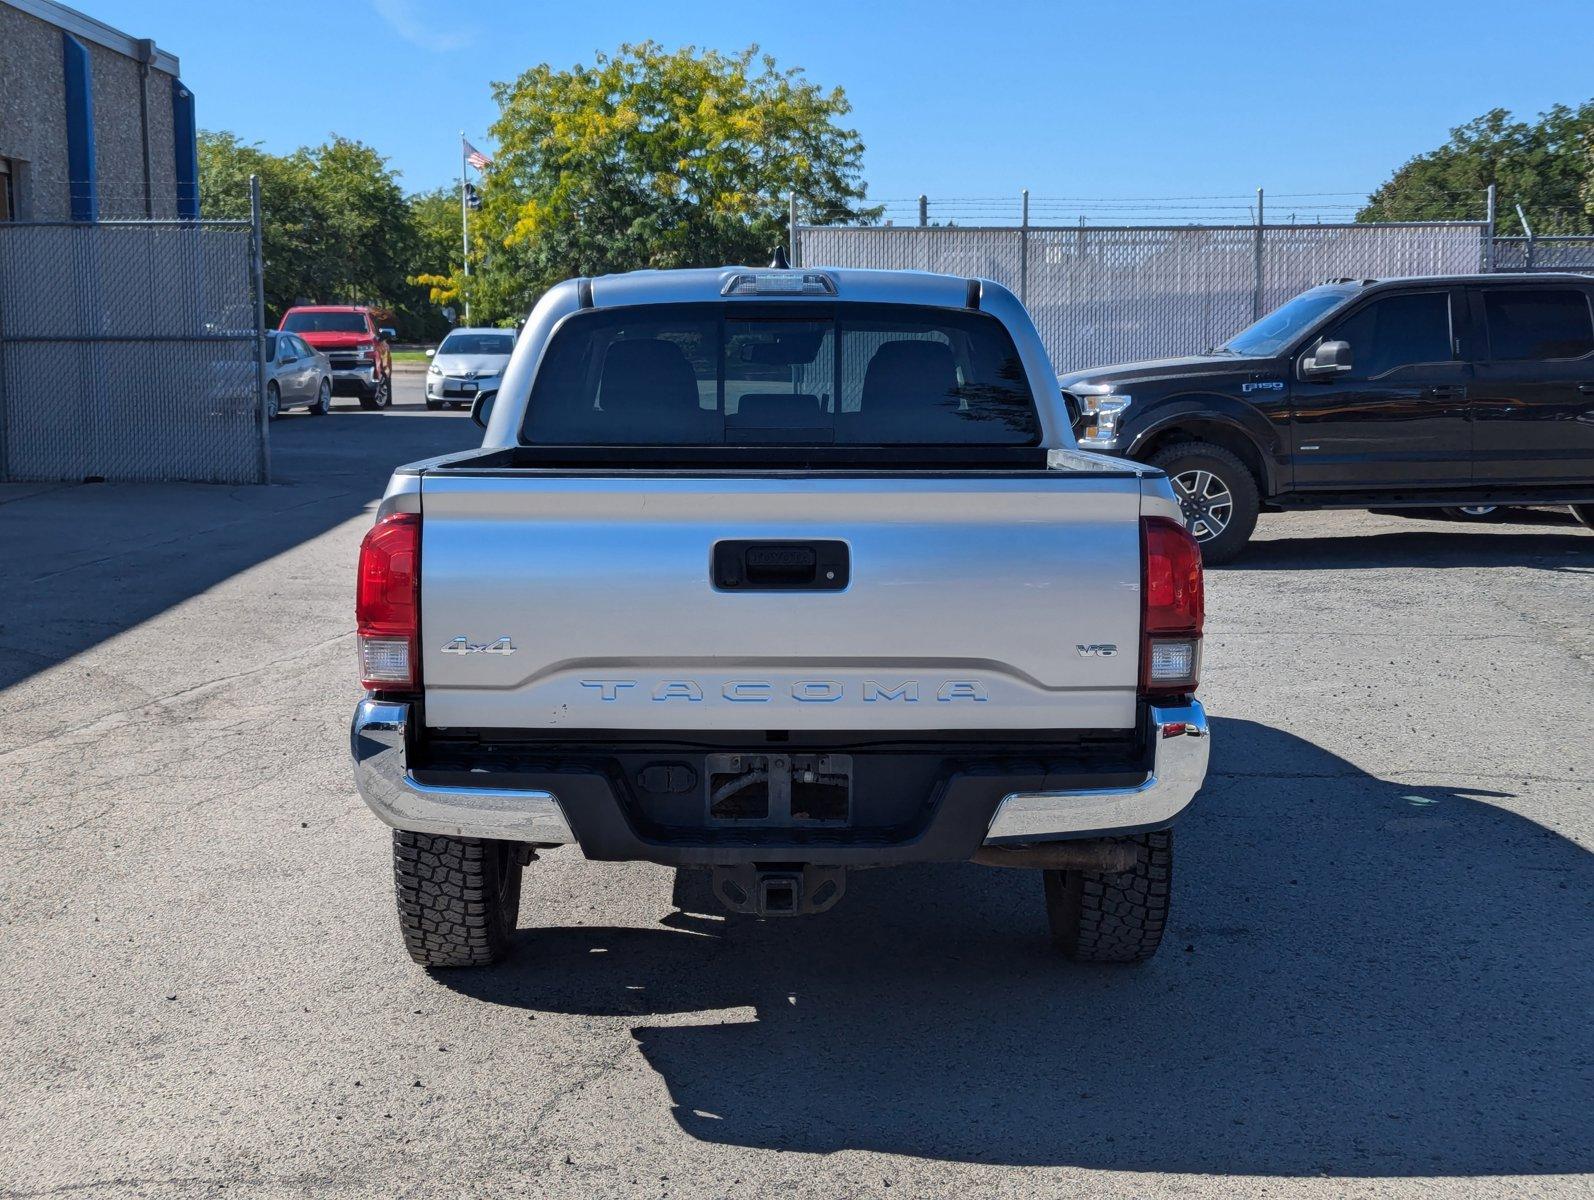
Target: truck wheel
(380, 395)
(1218, 494)
(1114, 916)
(1472, 512)
(273, 402)
(458, 898)
(1584, 513)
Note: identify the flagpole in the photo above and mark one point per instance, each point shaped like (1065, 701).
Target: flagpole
(464, 219)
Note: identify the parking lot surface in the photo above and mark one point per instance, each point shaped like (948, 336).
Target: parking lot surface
(1377, 981)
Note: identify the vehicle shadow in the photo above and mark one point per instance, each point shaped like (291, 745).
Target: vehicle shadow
(1362, 978)
(1544, 539)
(81, 563)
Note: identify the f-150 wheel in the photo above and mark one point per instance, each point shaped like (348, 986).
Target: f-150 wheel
(458, 898)
(1114, 916)
(1584, 513)
(1218, 494)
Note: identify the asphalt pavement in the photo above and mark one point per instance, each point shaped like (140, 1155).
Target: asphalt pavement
(1378, 979)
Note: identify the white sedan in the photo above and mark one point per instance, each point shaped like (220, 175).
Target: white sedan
(470, 362)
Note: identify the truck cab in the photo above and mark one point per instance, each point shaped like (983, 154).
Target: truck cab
(1430, 392)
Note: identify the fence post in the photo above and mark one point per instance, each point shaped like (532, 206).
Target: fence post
(1256, 298)
(1023, 252)
(1528, 231)
(791, 226)
(5, 453)
(257, 275)
(924, 209)
(1489, 203)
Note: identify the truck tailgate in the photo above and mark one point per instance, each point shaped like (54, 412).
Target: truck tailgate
(582, 601)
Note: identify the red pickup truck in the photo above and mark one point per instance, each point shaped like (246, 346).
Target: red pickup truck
(349, 336)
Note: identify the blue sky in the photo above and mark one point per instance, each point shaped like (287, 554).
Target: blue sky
(1137, 98)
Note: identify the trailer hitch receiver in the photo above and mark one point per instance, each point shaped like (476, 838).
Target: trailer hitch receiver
(779, 889)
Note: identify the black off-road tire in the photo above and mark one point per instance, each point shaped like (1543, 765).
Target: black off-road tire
(1584, 513)
(1114, 916)
(458, 898)
(1235, 475)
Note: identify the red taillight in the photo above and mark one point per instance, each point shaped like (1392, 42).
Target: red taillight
(1171, 608)
(387, 603)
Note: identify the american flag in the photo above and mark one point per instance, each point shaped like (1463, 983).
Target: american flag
(475, 157)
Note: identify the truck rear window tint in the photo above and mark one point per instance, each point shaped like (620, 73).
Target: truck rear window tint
(781, 374)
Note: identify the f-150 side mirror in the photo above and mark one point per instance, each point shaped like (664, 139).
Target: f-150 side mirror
(1329, 359)
(386, 334)
(481, 408)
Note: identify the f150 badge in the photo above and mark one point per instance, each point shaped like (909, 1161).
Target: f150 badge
(462, 645)
(1262, 385)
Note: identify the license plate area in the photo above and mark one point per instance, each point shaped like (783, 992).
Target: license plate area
(781, 790)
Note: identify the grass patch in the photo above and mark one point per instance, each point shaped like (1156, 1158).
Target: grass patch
(418, 356)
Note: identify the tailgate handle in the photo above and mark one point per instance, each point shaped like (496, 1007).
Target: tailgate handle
(747, 566)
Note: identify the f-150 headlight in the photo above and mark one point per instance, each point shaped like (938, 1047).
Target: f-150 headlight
(1100, 417)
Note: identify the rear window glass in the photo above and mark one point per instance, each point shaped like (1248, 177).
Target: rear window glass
(818, 374)
(325, 322)
(1527, 324)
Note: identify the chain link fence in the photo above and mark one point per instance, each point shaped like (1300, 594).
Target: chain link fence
(1560, 253)
(130, 351)
(1118, 294)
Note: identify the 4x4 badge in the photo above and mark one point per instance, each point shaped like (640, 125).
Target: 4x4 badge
(462, 645)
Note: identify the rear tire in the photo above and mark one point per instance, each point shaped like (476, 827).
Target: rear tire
(458, 898)
(1472, 512)
(273, 402)
(1114, 916)
(1203, 473)
(323, 401)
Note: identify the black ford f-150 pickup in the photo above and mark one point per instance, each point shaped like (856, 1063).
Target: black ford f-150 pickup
(1432, 392)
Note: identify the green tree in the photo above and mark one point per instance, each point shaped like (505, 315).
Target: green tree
(290, 212)
(434, 216)
(1547, 166)
(654, 158)
(367, 241)
(335, 225)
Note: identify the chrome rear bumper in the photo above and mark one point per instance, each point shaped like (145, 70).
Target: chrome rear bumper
(1178, 770)
(377, 743)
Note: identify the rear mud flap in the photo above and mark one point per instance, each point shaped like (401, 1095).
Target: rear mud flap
(779, 891)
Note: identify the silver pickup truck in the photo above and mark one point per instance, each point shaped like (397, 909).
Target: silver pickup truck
(778, 574)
